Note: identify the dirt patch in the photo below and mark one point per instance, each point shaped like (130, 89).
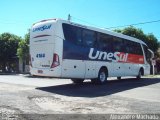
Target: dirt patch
(78, 106)
(7, 113)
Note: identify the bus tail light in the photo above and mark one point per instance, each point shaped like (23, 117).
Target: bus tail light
(55, 62)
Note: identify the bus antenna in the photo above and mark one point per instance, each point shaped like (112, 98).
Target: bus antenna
(69, 17)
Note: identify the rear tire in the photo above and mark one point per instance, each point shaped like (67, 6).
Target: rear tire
(139, 74)
(77, 81)
(102, 77)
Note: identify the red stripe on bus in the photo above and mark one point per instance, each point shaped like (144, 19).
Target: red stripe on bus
(131, 58)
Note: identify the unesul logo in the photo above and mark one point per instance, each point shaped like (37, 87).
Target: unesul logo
(116, 56)
(42, 28)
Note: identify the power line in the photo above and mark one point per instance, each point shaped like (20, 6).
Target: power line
(134, 24)
(140, 23)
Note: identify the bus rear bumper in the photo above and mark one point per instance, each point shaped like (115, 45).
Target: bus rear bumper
(45, 72)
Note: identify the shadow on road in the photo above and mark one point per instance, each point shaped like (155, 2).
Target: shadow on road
(41, 77)
(88, 89)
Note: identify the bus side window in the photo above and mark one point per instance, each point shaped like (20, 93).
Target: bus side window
(132, 47)
(89, 38)
(69, 33)
(138, 49)
(104, 42)
(128, 46)
(79, 36)
(72, 34)
(118, 44)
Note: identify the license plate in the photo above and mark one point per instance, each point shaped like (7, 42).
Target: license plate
(40, 71)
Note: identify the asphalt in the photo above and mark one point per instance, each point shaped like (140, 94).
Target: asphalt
(26, 97)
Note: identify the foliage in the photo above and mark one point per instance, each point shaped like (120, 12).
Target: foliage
(23, 48)
(149, 39)
(8, 48)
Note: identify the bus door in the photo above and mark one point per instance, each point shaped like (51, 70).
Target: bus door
(119, 65)
(148, 54)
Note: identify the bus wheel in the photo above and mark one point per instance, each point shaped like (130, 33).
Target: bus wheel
(77, 81)
(102, 77)
(140, 74)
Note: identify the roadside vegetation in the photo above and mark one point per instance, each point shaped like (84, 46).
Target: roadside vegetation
(149, 39)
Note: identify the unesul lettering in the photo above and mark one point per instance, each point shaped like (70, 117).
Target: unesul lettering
(115, 57)
(42, 28)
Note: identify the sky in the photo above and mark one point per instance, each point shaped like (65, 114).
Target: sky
(17, 16)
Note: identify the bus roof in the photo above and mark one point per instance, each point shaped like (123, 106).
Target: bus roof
(102, 30)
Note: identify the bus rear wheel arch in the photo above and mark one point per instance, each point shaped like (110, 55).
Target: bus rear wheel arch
(140, 73)
(119, 78)
(102, 76)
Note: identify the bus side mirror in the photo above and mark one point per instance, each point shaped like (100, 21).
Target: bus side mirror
(151, 53)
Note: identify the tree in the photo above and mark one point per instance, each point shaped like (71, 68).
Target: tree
(23, 48)
(152, 42)
(149, 39)
(8, 49)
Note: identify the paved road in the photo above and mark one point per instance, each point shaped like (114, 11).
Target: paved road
(22, 94)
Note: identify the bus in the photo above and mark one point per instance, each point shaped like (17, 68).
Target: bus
(64, 49)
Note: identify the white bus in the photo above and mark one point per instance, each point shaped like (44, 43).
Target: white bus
(63, 49)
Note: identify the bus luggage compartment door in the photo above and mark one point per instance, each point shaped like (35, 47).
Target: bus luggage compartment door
(73, 68)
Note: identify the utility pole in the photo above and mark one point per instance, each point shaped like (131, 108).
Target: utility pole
(153, 64)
